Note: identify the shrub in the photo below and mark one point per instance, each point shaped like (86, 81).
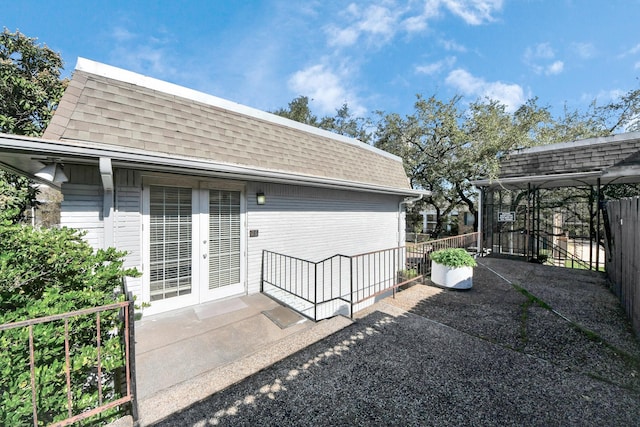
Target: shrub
(453, 257)
(53, 271)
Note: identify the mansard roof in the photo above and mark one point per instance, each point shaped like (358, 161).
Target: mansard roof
(104, 105)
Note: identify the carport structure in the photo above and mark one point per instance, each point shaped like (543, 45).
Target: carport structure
(548, 202)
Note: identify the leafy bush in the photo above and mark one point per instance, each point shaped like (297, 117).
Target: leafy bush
(453, 257)
(16, 196)
(53, 271)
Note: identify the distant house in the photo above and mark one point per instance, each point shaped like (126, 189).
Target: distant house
(459, 221)
(195, 187)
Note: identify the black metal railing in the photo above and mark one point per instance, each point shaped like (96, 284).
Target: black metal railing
(342, 284)
(418, 255)
(121, 388)
(557, 255)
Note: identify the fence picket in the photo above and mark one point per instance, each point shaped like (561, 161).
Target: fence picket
(623, 266)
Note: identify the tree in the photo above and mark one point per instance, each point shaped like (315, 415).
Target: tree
(299, 111)
(623, 114)
(30, 89)
(429, 141)
(30, 84)
(343, 123)
(445, 147)
(16, 196)
(47, 272)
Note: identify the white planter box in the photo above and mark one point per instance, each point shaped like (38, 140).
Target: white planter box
(450, 277)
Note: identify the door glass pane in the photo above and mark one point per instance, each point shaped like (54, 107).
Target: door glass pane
(170, 242)
(224, 238)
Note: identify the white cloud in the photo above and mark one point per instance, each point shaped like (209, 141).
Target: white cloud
(511, 95)
(122, 34)
(630, 52)
(342, 37)
(539, 51)
(452, 45)
(378, 20)
(378, 24)
(636, 66)
(325, 89)
(584, 50)
(474, 12)
(555, 68)
(143, 54)
(540, 58)
(436, 67)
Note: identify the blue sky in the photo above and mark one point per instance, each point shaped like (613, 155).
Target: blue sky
(375, 56)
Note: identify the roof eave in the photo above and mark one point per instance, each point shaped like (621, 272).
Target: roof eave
(87, 152)
(581, 178)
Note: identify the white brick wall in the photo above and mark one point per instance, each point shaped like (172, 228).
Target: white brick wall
(314, 224)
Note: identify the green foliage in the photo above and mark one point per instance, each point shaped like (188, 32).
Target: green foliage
(623, 114)
(408, 274)
(30, 89)
(343, 123)
(30, 84)
(426, 140)
(16, 196)
(299, 111)
(53, 271)
(453, 257)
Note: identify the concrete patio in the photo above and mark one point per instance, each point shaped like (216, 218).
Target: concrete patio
(185, 355)
(527, 345)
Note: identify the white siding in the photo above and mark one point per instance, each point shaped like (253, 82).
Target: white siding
(304, 222)
(314, 224)
(82, 209)
(128, 225)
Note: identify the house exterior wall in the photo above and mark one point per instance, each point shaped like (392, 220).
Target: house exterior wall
(128, 223)
(81, 207)
(304, 222)
(315, 223)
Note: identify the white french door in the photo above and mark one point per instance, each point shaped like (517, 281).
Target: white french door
(170, 243)
(196, 246)
(222, 246)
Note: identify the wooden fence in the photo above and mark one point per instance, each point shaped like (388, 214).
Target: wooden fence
(623, 255)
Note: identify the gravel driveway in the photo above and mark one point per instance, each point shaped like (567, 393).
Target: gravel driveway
(527, 345)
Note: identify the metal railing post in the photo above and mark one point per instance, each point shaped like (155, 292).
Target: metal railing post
(264, 254)
(132, 358)
(315, 294)
(351, 287)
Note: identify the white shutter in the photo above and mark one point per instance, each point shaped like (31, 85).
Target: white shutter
(224, 238)
(170, 242)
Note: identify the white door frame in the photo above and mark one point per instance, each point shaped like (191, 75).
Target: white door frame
(199, 222)
(230, 290)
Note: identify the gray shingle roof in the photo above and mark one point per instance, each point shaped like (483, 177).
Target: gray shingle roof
(107, 105)
(594, 154)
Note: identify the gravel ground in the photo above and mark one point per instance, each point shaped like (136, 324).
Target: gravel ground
(485, 357)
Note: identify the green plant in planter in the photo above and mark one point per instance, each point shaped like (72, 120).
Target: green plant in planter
(408, 274)
(453, 257)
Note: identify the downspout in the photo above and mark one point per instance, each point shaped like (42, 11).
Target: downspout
(106, 173)
(404, 202)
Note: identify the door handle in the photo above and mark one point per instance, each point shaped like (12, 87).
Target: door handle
(204, 256)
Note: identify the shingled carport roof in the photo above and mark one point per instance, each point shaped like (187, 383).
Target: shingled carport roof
(612, 159)
(105, 106)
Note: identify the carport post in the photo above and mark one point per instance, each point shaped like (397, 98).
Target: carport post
(598, 196)
(479, 221)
